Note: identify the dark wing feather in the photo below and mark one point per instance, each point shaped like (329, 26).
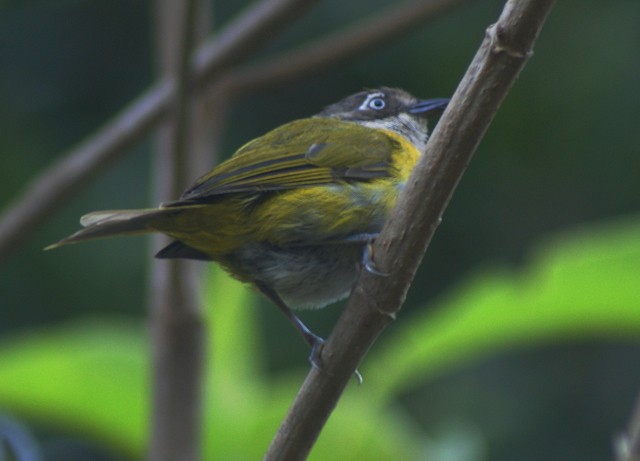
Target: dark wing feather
(178, 249)
(289, 157)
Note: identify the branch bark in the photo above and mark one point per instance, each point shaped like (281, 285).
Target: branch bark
(400, 247)
(175, 311)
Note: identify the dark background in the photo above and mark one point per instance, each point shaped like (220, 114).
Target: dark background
(561, 153)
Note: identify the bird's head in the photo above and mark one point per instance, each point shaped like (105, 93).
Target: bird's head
(390, 109)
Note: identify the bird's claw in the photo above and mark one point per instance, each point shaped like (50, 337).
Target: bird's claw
(316, 362)
(369, 264)
(314, 356)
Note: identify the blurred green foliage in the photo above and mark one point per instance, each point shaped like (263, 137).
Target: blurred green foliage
(89, 377)
(561, 155)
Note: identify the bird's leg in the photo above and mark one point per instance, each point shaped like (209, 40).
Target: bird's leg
(314, 341)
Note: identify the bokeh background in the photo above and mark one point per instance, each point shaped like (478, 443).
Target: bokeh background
(561, 157)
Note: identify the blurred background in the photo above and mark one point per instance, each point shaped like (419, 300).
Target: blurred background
(561, 157)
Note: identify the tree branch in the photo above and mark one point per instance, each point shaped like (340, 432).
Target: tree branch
(47, 191)
(175, 310)
(332, 49)
(51, 188)
(259, 23)
(398, 250)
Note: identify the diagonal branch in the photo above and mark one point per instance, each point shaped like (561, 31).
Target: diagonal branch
(330, 50)
(48, 190)
(251, 30)
(63, 179)
(398, 250)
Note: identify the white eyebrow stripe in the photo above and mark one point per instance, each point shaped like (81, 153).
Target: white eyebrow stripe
(365, 104)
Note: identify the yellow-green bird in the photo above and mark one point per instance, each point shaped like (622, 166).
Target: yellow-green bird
(292, 212)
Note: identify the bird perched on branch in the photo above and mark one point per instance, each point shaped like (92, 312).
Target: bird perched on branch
(293, 211)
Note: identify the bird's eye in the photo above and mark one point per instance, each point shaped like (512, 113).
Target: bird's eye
(377, 104)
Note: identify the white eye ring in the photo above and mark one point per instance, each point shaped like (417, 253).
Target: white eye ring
(377, 104)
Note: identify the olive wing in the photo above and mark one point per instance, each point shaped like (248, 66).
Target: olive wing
(307, 152)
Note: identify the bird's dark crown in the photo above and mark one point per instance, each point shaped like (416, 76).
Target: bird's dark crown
(371, 104)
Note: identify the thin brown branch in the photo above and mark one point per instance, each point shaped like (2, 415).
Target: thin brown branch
(176, 41)
(175, 312)
(628, 444)
(333, 49)
(250, 31)
(399, 248)
(49, 190)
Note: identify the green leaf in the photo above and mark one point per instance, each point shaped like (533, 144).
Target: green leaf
(90, 377)
(582, 285)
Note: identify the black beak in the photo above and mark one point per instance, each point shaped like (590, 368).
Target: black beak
(429, 107)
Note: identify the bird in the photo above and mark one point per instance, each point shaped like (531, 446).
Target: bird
(294, 211)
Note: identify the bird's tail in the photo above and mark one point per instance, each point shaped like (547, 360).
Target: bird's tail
(101, 224)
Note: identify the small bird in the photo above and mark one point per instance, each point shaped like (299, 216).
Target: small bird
(294, 211)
